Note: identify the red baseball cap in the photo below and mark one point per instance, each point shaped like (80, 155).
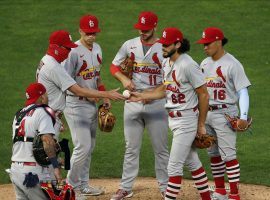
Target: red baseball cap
(171, 35)
(89, 24)
(62, 38)
(33, 92)
(211, 34)
(147, 21)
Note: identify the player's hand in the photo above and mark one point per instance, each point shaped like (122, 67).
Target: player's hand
(114, 95)
(135, 97)
(128, 84)
(201, 130)
(107, 103)
(57, 174)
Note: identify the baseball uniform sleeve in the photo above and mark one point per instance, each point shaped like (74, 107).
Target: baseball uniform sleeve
(45, 124)
(61, 78)
(194, 75)
(70, 64)
(238, 76)
(121, 54)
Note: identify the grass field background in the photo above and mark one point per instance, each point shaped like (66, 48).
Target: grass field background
(26, 26)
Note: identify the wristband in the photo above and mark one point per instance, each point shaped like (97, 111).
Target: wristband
(101, 88)
(54, 162)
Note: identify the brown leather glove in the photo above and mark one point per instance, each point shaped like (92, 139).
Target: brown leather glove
(106, 119)
(127, 67)
(204, 141)
(237, 124)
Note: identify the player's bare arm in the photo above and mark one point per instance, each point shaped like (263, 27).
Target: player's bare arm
(203, 98)
(49, 147)
(157, 93)
(126, 82)
(83, 92)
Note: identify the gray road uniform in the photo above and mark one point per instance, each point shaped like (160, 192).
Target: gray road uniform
(37, 121)
(83, 65)
(56, 81)
(147, 74)
(225, 77)
(181, 80)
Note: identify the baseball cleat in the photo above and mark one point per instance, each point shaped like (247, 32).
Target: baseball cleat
(92, 191)
(217, 196)
(122, 194)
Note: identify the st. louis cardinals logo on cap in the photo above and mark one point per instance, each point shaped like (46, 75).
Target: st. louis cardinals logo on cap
(27, 95)
(164, 34)
(143, 20)
(91, 23)
(203, 35)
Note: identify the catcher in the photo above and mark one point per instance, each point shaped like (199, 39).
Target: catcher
(34, 120)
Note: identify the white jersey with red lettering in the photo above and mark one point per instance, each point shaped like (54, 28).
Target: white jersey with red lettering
(181, 80)
(224, 77)
(36, 121)
(83, 65)
(147, 72)
(56, 81)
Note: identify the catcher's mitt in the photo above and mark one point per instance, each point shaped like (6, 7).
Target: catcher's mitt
(126, 67)
(237, 124)
(204, 141)
(39, 152)
(106, 119)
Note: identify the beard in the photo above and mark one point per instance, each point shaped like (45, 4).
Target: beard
(169, 54)
(146, 38)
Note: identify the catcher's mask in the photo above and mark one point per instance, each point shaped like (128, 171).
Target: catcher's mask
(58, 192)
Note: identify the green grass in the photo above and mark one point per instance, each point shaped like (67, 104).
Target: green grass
(26, 26)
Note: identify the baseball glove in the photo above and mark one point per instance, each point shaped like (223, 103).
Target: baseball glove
(237, 124)
(39, 152)
(204, 141)
(126, 67)
(106, 119)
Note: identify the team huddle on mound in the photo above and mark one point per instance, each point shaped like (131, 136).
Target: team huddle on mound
(205, 106)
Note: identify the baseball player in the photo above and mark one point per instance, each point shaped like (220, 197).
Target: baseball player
(147, 74)
(56, 79)
(187, 104)
(83, 65)
(227, 84)
(25, 172)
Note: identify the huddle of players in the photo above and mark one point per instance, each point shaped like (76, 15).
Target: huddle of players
(163, 74)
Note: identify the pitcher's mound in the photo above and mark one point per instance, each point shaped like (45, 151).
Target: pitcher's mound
(147, 188)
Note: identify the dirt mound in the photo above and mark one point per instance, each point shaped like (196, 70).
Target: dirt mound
(147, 188)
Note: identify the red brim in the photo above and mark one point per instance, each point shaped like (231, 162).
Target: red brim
(143, 28)
(166, 42)
(70, 45)
(205, 41)
(93, 30)
(31, 101)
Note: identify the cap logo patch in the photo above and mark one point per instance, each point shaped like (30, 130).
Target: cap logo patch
(143, 20)
(216, 37)
(91, 23)
(203, 35)
(164, 34)
(27, 95)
